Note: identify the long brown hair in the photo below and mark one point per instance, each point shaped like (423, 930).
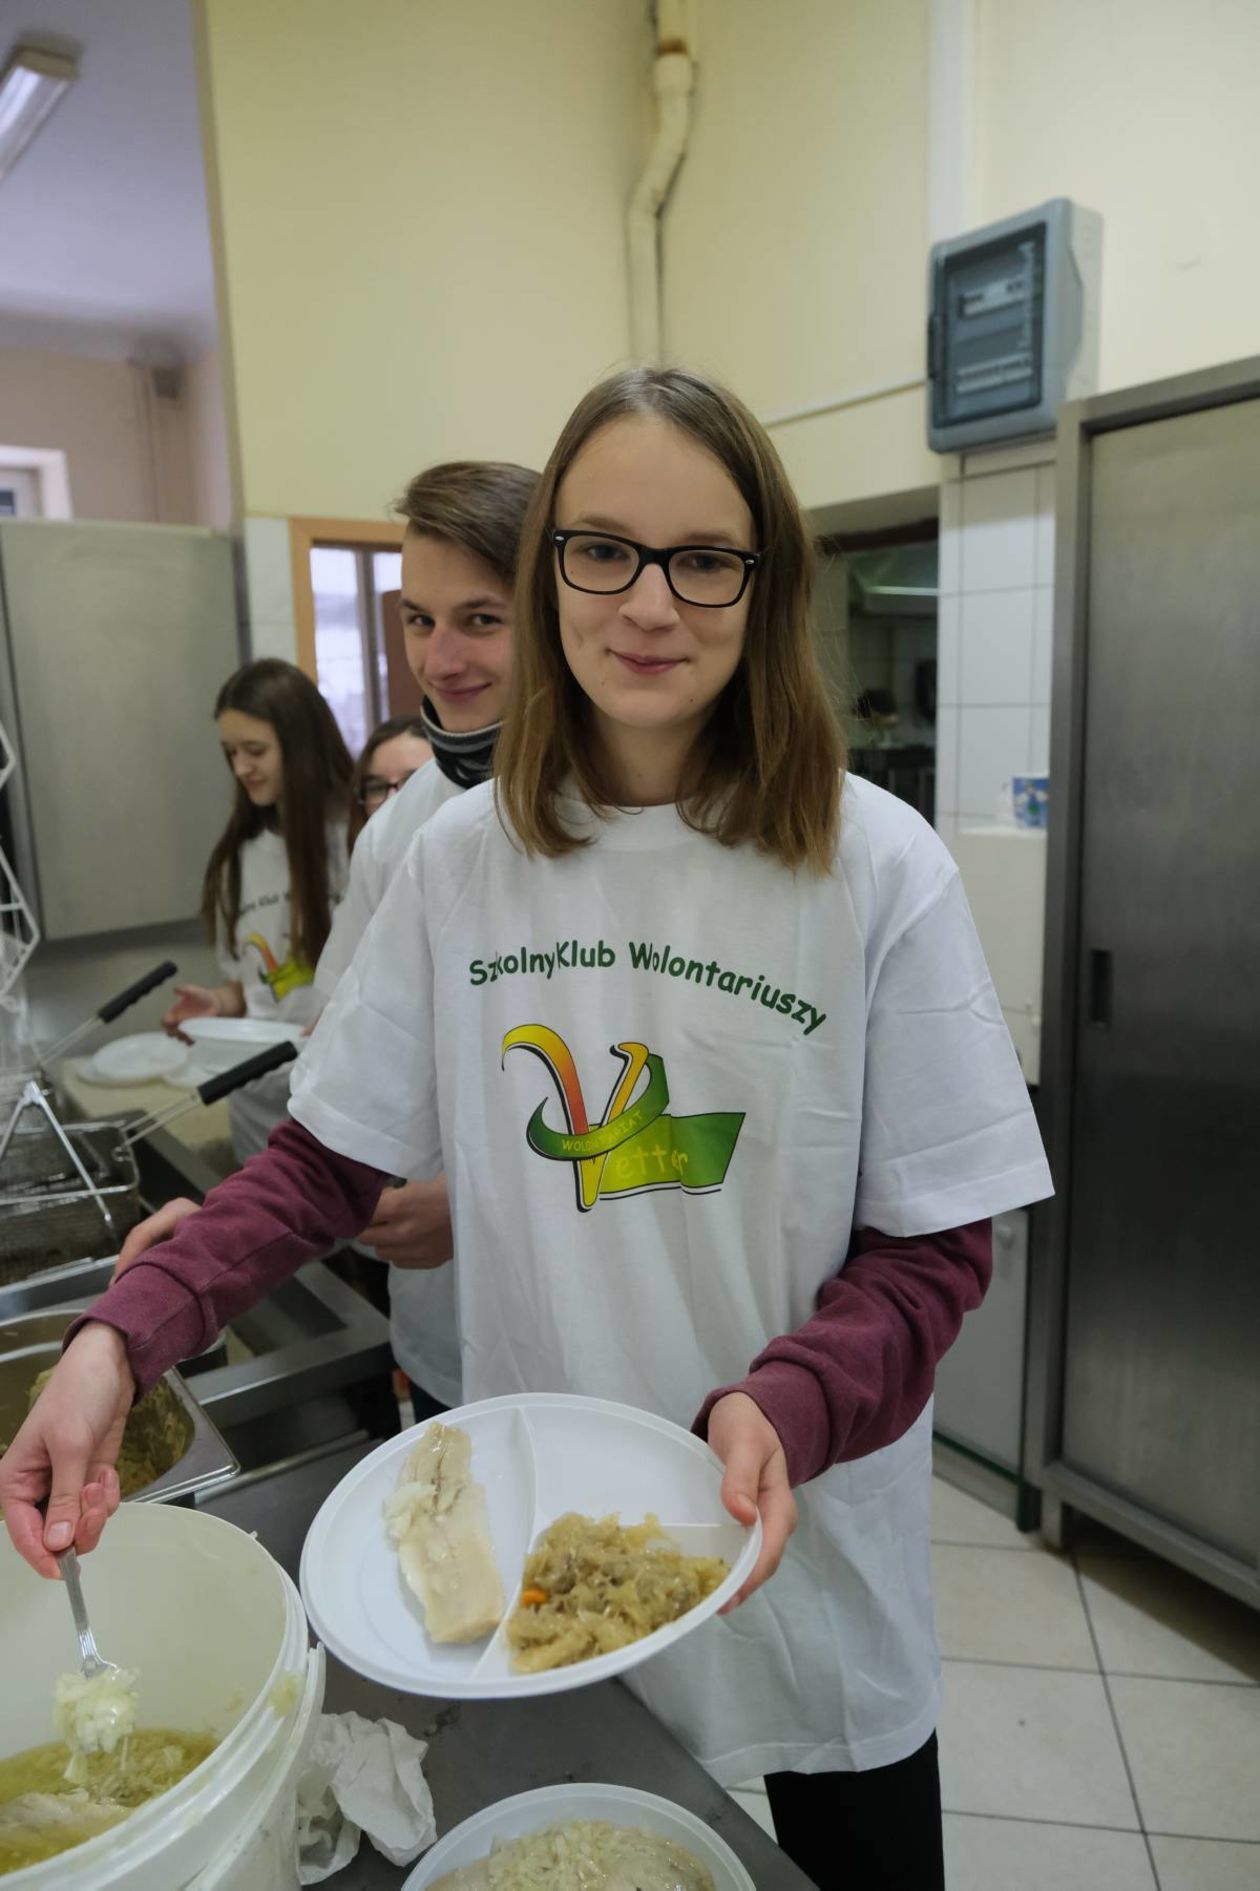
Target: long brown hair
(317, 770)
(383, 732)
(767, 766)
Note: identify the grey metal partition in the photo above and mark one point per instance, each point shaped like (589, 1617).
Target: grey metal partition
(1143, 1403)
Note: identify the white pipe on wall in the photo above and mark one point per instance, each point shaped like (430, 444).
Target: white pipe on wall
(673, 75)
(858, 398)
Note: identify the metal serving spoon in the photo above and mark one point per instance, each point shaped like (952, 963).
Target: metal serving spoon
(110, 1717)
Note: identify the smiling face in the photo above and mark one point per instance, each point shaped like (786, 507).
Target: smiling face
(457, 624)
(252, 749)
(652, 666)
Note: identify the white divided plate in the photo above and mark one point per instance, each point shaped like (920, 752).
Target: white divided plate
(619, 1805)
(536, 1456)
(220, 1044)
(143, 1058)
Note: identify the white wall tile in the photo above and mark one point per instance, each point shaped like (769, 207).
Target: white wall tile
(1043, 643)
(947, 760)
(1006, 459)
(999, 517)
(947, 827)
(274, 639)
(1039, 740)
(949, 546)
(948, 649)
(993, 745)
(997, 647)
(1045, 525)
(268, 570)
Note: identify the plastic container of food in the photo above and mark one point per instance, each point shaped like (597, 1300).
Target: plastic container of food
(554, 1805)
(217, 1632)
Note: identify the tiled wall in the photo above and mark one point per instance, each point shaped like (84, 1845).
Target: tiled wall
(269, 589)
(994, 630)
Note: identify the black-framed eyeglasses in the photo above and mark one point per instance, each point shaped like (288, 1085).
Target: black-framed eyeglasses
(604, 564)
(376, 789)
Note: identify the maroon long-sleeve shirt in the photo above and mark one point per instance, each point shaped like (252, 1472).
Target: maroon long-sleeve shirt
(849, 1381)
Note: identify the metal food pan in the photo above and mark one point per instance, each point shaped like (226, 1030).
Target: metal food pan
(167, 1425)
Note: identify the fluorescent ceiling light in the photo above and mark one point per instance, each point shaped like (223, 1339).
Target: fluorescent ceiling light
(33, 81)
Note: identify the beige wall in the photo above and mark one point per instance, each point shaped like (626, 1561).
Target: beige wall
(796, 242)
(89, 410)
(420, 230)
(1148, 111)
(129, 453)
(796, 238)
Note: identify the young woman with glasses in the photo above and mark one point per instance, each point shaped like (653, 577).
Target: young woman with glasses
(396, 750)
(674, 899)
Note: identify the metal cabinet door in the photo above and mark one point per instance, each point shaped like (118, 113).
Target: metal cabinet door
(119, 637)
(1162, 1374)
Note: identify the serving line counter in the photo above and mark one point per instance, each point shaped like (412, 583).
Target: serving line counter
(483, 1751)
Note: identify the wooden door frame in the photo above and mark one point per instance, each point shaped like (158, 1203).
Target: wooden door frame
(343, 534)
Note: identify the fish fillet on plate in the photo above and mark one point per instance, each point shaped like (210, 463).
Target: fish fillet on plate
(437, 1516)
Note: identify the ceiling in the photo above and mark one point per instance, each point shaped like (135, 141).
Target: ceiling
(104, 232)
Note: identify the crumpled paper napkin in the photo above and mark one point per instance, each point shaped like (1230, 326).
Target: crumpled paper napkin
(361, 1776)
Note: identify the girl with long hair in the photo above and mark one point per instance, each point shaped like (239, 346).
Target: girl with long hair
(674, 898)
(276, 871)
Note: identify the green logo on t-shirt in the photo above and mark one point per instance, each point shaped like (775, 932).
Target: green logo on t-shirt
(637, 1146)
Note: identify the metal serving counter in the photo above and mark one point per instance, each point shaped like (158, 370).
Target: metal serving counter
(483, 1751)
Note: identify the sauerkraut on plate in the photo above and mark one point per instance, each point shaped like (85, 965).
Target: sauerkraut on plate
(593, 1585)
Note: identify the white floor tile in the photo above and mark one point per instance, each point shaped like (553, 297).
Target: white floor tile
(959, 1518)
(1151, 1618)
(757, 1806)
(1198, 1864)
(1019, 1855)
(992, 1606)
(1032, 1743)
(1194, 1748)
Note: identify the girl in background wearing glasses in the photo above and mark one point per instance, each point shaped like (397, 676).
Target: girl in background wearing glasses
(276, 872)
(813, 1108)
(396, 750)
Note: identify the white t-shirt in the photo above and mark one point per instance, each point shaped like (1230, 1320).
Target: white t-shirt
(788, 1056)
(423, 1326)
(276, 985)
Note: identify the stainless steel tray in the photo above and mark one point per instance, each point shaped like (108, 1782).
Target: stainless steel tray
(200, 1459)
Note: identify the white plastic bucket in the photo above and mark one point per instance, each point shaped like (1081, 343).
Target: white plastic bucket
(554, 1805)
(219, 1636)
(264, 1854)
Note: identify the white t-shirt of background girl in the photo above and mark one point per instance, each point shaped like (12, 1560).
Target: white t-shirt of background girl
(666, 1079)
(424, 1331)
(277, 986)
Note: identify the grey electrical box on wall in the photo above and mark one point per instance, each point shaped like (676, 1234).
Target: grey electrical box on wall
(1013, 328)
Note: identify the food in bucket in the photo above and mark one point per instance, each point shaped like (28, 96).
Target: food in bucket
(593, 1586)
(42, 1813)
(437, 1517)
(583, 1855)
(94, 1714)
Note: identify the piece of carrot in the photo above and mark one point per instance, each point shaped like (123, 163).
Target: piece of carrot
(531, 1598)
